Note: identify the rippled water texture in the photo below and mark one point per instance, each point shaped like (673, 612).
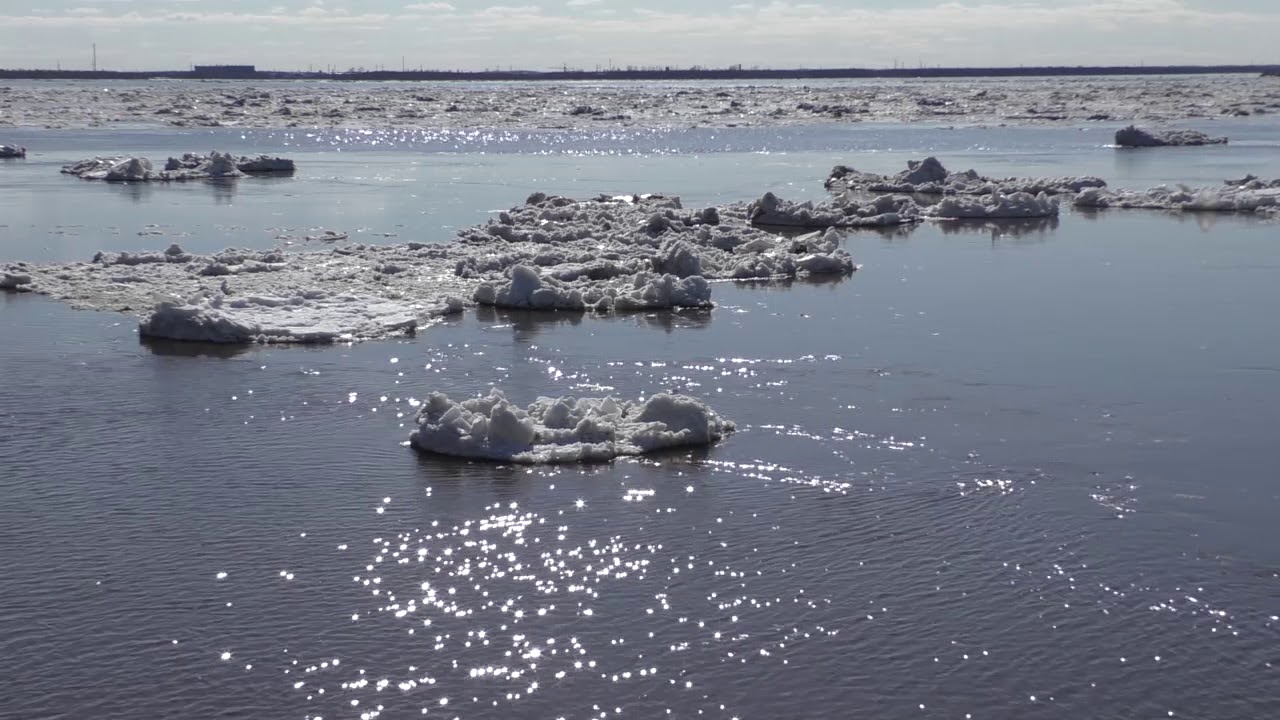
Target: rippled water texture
(1021, 471)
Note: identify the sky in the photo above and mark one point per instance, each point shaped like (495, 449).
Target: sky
(544, 35)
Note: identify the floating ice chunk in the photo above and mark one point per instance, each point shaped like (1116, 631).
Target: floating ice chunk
(929, 177)
(551, 253)
(771, 210)
(563, 430)
(844, 211)
(265, 164)
(191, 166)
(1135, 137)
(995, 206)
(920, 172)
(679, 258)
(609, 238)
(297, 319)
(15, 281)
(1251, 196)
(12, 151)
(656, 292)
(527, 289)
(173, 254)
(123, 169)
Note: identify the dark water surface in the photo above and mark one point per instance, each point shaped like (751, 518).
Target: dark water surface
(1010, 472)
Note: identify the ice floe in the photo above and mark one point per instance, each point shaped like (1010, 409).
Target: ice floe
(265, 165)
(563, 430)
(12, 151)
(844, 211)
(929, 177)
(191, 166)
(995, 206)
(237, 296)
(1249, 195)
(590, 106)
(310, 317)
(593, 242)
(528, 289)
(607, 254)
(1135, 137)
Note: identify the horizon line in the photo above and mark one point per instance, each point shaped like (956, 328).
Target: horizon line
(250, 72)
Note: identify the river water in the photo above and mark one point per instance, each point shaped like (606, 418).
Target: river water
(1014, 471)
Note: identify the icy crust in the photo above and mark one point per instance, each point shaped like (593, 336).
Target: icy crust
(598, 247)
(1249, 195)
(1135, 137)
(563, 430)
(929, 177)
(995, 206)
(528, 289)
(12, 151)
(310, 317)
(190, 166)
(596, 105)
(241, 296)
(844, 211)
(265, 165)
(608, 254)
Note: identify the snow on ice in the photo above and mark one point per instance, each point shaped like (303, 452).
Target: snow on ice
(552, 253)
(1135, 137)
(563, 430)
(995, 206)
(1248, 195)
(190, 166)
(929, 177)
(384, 106)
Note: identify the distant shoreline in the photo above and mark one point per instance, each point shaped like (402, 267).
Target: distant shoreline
(656, 74)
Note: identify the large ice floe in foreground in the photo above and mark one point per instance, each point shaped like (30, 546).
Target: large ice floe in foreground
(242, 296)
(12, 151)
(1248, 195)
(929, 177)
(602, 255)
(1135, 137)
(563, 430)
(191, 166)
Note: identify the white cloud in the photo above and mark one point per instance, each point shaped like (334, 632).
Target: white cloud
(430, 7)
(582, 3)
(511, 10)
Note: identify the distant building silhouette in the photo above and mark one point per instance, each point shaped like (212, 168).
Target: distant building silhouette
(224, 71)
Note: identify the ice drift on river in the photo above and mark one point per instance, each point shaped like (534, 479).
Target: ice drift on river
(606, 254)
(1135, 137)
(527, 289)
(594, 243)
(996, 206)
(843, 211)
(311, 317)
(929, 177)
(12, 151)
(190, 166)
(1249, 195)
(265, 164)
(563, 430)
